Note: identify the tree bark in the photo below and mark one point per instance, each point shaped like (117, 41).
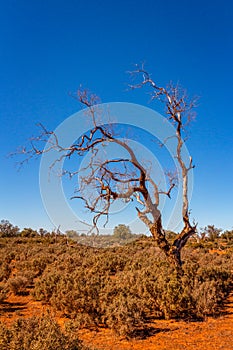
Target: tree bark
(171, 250)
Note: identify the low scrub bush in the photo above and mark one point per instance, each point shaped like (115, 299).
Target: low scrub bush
(122, 295)
(18, 284)
(5, 271)
(121, 287)
(38, 334)
(122, 298)
(3, 292)
(45, 288)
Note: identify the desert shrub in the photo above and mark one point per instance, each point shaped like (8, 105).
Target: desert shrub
(37, 334)
(36, 265)
(3, 292)
(109, 263)
(161, 291)
(170, 295)
(119, 287)
(79, 295)
(9, 257)
(198, 293)
(46, 286)
(206, 298)
(5, 271)
(123, 308)
(124, 313)
(210, 288)
(18, 284)
(39, 264)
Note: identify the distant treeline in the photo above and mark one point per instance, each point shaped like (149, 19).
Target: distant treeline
(121, 235)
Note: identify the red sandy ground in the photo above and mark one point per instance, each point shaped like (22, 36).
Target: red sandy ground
(212, 334)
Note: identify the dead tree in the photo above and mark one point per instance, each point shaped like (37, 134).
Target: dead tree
(126, 178)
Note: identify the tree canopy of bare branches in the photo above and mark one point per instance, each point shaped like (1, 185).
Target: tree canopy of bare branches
(126, 178)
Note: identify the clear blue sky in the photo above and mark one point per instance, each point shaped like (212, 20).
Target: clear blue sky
(48, 48)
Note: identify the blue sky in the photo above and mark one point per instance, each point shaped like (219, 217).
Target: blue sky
(49, 48)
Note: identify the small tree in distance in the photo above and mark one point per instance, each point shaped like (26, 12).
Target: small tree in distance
(28, 232)
(122, 231)
(211, 232)
(127, 178)
(8, 230)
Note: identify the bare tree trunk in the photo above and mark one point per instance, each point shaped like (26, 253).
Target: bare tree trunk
(172, 252)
